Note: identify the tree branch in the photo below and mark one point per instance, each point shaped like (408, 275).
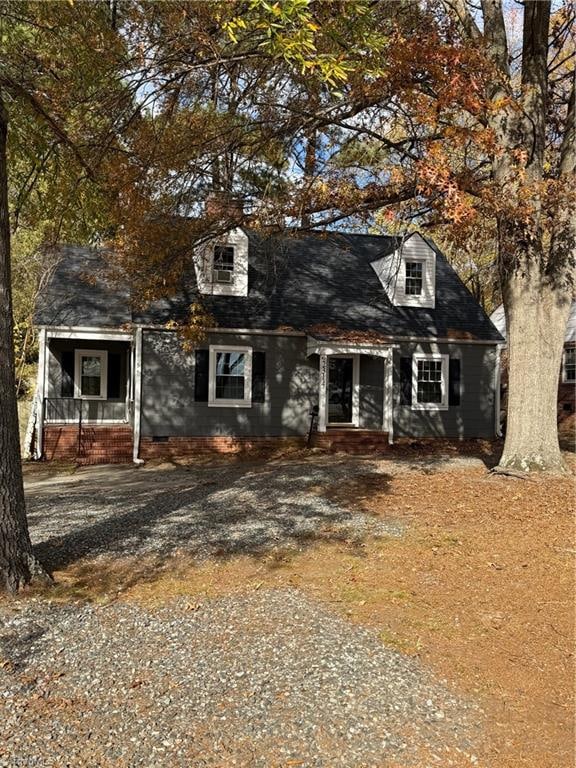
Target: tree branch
(459, 13)
(56, 128)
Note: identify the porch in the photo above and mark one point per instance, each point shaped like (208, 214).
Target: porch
(85, 396)
(355, 395)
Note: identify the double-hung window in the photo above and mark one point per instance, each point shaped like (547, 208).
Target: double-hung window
(430, 382)
(569, 366)
(230, 381)
(90, 374)
(223, 264)
(414, 278)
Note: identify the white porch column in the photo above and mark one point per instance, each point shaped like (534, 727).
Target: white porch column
(322, 392)
(388, 385)
(40, 393)
(356, 390)
(137, 375)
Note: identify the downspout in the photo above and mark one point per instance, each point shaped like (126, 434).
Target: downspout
(137, 374)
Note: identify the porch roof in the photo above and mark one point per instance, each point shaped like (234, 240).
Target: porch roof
(316, 347)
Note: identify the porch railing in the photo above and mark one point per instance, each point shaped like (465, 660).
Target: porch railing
(73, 410)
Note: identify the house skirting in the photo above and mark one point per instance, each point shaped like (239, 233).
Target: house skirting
(94, 444)
(151, 448)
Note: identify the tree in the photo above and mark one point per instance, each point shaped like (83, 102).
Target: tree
(60, 79)
(532, 181)
(17, 561)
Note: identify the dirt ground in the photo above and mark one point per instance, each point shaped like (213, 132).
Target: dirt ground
(480, 588)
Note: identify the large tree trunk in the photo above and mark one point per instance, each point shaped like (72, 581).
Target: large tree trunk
(17, 562)
(536, 323)
(535, 249)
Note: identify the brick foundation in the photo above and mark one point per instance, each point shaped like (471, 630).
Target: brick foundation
(113, 444)
(98, 444)
(194, 446)
(351, 440)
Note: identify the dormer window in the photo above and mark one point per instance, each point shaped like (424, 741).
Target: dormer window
(414, 278)
(408, 274)
(222, 267)
(223, 264)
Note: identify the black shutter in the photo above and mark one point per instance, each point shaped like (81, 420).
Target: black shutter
(67, 367)
(114, 374)
(405, 381)
(201, 366)
(454, 382)
(258, 377)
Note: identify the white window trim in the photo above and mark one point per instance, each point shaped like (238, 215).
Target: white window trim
(427, 297)
(103, 355)
(204, 265)
(424, 263)
(443, 406)
(246, 402)
(565, 379)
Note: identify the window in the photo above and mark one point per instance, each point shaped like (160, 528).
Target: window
(230, 380)
(569, 365)
(430, 382)
(90, 374)
(414, 278)
(223, 264)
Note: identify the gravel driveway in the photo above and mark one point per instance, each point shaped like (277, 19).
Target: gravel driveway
(271, 678)
(268, 679)
(227, 509)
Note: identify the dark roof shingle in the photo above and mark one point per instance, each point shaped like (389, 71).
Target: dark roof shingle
(319, 283)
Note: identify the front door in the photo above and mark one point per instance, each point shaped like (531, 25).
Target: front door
(340, 379)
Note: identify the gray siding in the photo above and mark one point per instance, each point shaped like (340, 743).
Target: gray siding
(169, 407)
(474, 417)
(371, 392)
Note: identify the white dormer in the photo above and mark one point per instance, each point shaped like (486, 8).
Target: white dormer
(222, 265)
(409, 274)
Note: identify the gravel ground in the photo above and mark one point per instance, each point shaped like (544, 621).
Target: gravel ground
(233, 508)
(266, 679)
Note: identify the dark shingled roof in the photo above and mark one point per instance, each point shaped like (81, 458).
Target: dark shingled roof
(320, 283)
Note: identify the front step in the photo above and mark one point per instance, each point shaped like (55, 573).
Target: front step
(351, 440)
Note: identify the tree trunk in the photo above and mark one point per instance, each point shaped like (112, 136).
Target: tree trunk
(536, 324)
(17, 562)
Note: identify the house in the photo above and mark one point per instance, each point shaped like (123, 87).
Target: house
(375, 336)
(567, 377)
